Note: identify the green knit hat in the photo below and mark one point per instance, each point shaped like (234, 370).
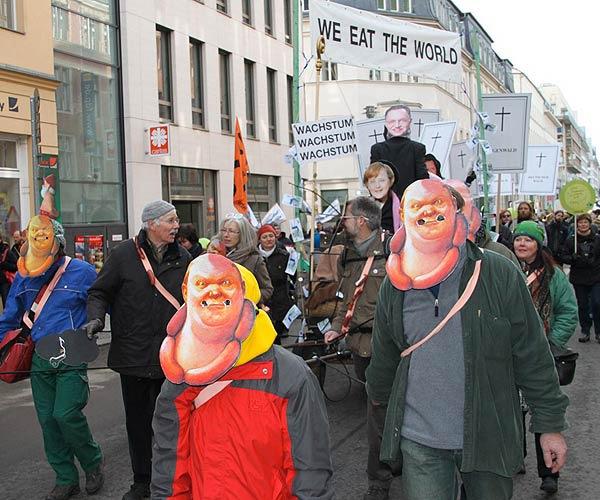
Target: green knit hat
(531, 229)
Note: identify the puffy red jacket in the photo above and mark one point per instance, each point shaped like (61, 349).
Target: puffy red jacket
(265, 436)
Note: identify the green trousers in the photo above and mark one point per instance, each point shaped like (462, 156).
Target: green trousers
(59, 395)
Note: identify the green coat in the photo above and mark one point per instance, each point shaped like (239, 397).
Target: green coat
(505, 348)
(564, 309)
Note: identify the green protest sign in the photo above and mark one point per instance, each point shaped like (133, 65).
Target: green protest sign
(577, 197)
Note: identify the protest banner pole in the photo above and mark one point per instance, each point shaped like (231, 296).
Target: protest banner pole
(498, 195)
(296, 92)
(318, 66)
(481, 151)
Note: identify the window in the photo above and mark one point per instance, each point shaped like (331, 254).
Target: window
(163, 67)
(394, 5)
(250, 99)
(305, 5)
(329, 72)
(290, 97)
(330, 195)
(225, 82)
(268, 17)
(247, 12)
(8, 154)
(222, 6)
(287, 19)
(60, 24)
(262, 193)
(374, 74)
(197, 82)
(8, 14)
(64, 94)
(272, 103)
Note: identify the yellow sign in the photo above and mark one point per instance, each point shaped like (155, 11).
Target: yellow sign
(577, 197)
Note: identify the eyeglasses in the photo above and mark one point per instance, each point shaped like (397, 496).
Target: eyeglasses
(229, 231)
(171, 220)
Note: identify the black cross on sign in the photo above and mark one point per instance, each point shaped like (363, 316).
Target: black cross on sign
(435, 138)
(462, 161)
(502, 115)
(420, 124)
(540, 156)
(376, 135)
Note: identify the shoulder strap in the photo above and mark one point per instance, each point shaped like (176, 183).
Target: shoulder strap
(360, 285)
(210, 391)
(44, 294)
(152, 277)
(466, 295)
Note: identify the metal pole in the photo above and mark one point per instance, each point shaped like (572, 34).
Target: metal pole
(296, 89)
(318, 66)
(498, 194)
(482, 155)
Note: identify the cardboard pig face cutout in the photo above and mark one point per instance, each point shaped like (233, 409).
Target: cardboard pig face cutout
(469, 210)
(425, 249)
(205, 336)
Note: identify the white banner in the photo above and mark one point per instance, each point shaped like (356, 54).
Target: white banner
(438, 138)
(460, 161)
(362, 38)
(506, 184)
(371, 131)
(324, 139)
(542, 167)
(510, 115)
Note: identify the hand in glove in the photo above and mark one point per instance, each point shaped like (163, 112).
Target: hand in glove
(93, 327)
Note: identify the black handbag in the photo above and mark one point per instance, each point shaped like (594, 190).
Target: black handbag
(564, 359)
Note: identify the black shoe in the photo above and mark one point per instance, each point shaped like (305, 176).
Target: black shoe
(137, 492)
(549, 485)
(585, 337)
(376, 493)
(63, 491)
(94, 480)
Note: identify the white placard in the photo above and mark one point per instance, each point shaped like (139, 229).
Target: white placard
(324, 139)
(371, 131)
(291, 201)
(365, 39)
(542, 168)
(438, 138)
(274, 216)
(293, 313)
(460, 161)
(292, 263)
(296, 230)
(510, 114)
(506, 184)
(324, 325)
(333, 210)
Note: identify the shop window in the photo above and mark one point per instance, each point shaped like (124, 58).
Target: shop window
(8, 154)
(263, 193)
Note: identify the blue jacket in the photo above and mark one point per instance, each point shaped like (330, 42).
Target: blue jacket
(66, 306)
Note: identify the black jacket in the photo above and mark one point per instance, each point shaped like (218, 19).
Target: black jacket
(196, 250)
(585, 264)
(280, 302)
(406, 156)
(138, 312)
(8, 261)
(557, 235)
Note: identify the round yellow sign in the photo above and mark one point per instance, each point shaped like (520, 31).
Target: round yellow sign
(577, 197)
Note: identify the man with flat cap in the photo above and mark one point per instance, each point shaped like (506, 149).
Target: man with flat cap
(139, 286)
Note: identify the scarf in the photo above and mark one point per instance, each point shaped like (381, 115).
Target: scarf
(540, 290)
(266, 253)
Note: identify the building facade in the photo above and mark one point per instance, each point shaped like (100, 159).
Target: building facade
(28, 124)
(198, 66)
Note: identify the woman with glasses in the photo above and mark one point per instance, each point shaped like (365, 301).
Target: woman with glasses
(239, 238)
(379, 179)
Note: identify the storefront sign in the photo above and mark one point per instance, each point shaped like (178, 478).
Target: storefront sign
(88, 110)
(362, 38)
(14, 106)
(159, 140)
(48, 161)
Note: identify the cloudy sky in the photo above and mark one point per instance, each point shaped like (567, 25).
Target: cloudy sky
(551, 42)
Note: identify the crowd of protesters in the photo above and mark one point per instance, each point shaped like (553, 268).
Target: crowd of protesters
(401, 265)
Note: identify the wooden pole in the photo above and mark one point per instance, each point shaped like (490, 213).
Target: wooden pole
(318, 67)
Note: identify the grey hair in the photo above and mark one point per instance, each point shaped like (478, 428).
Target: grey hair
(368, 208)
(146, 224)
(247, 233)
(399, 106)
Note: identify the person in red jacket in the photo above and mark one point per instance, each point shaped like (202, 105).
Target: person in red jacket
(237, 417)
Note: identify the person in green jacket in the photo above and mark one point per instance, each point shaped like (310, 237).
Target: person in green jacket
(554, 301)
(453, 402)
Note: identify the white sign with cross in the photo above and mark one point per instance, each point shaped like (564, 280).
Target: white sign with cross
(510, 115)
(542, 168)
(372, 131)
(460, 161)
(438, 138)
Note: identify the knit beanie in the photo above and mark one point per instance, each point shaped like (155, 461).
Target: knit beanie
(531, 229)
(267, 228)
(156, 209)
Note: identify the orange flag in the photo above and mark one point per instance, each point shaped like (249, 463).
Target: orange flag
(240, 172)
